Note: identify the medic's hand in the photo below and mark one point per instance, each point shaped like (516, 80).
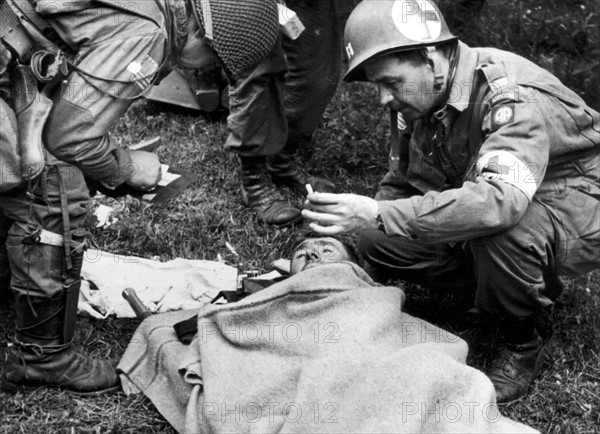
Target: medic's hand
(332, 214)
(146, 171)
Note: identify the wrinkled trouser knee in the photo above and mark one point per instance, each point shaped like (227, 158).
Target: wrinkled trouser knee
(558, 235)
(510, 266)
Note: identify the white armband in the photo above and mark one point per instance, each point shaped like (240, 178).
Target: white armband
(506, 167)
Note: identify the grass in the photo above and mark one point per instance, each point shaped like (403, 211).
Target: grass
(350, 149)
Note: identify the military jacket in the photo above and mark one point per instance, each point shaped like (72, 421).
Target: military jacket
(257, 117)
(508, 128)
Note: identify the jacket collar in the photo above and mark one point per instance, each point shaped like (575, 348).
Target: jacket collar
(464, 78)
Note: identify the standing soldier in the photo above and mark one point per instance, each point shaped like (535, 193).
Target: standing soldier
(306, 75)
(76, 67)
(490, 169)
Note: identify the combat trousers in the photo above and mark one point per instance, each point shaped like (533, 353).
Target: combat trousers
(39, 269)
(5, 224)
(558, 235)
(279, 104)
(314, 65)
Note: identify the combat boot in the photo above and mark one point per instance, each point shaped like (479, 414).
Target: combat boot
(285, 170)
(41, 353)
(259, 193)
(516, 366)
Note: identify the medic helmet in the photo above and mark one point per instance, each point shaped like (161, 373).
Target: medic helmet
(379, 27)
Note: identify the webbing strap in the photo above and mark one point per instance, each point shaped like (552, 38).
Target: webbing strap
(208, 25)
(27, 8)
(477, 114)
(64, 207)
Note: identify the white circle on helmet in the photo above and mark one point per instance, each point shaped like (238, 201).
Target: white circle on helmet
(417, 20)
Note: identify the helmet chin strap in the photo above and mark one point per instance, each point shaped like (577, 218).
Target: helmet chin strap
(438, 81)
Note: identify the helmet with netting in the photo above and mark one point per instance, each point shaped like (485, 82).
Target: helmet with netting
(244, 32)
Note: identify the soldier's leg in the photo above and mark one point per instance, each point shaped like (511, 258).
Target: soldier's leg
(257, 129)
(5, 294)
(314, 64)
(46, 270)
(511, 265)
(516, 270)
(436, 265)
(118, 58)
(45, 282)
(8, 141)
(510, 274)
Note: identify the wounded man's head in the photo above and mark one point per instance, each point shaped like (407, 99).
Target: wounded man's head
(318, 251)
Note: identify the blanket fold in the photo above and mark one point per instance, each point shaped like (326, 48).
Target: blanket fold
(326, 350)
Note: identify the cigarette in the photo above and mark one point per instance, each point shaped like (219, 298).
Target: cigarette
(309, 189)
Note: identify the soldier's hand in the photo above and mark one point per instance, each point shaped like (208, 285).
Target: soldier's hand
(332, 214)
(146, 171)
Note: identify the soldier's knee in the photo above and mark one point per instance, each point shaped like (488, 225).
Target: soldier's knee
(68, 126)
(499, 241)
(370, 243)
(519, 241)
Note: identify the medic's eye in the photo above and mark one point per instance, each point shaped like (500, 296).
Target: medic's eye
(393, 83)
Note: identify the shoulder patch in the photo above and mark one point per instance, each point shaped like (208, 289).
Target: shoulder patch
(514, 92)
(502, 115)
(502, 88)
(500, 83)
(503, 97)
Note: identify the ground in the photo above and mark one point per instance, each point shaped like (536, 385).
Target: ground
(350, 149)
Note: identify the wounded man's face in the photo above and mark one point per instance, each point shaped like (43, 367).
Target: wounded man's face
(318, 251)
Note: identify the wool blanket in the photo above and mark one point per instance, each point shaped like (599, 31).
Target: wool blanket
(327, 350)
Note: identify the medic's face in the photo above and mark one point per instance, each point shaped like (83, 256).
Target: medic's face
(318, 251)
(404, 86)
